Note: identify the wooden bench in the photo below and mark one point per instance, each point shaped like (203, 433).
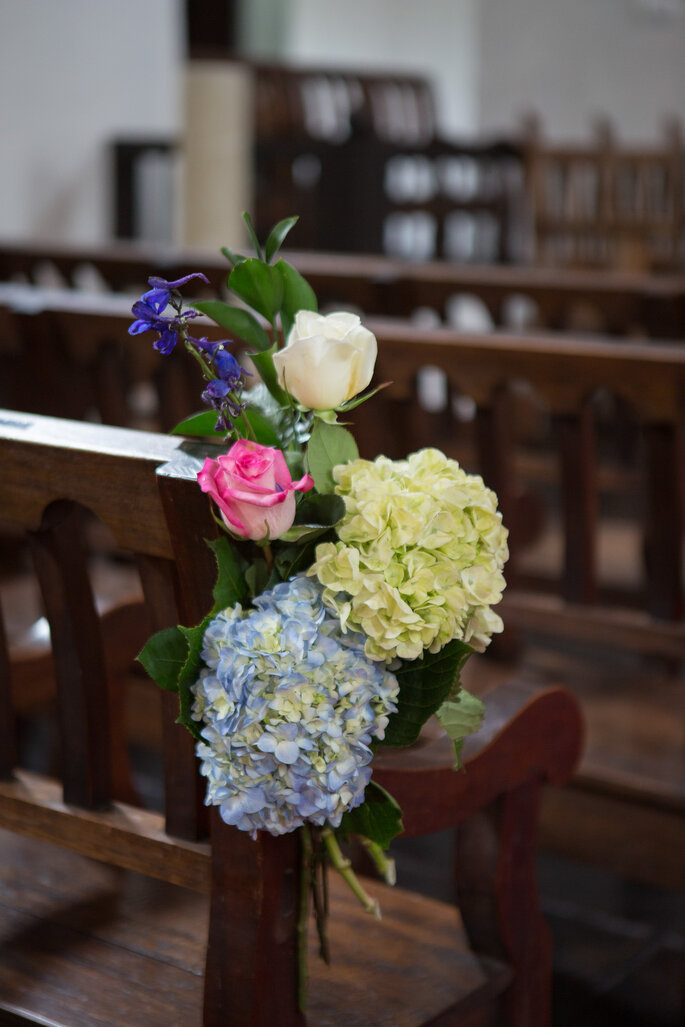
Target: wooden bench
(605, 203)
(595, 515)
(106, 914)
(598, 597)
(611, 302)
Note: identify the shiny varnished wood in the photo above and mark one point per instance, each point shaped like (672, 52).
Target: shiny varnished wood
(253, 885)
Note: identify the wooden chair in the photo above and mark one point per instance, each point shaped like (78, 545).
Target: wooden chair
(106, 916)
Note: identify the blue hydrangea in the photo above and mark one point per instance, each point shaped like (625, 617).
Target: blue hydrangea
(289, 707)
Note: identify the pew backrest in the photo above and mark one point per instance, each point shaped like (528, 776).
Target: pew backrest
(627, 303)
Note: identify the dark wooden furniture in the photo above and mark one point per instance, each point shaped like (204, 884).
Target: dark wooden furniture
(113, 925)
(596, 576)
(582, 439)
(458, 200)
(605, 203)
(614, 303)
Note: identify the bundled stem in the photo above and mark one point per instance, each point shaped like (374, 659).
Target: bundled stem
(344, 868)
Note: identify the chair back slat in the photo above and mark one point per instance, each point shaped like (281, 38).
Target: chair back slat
(8, 720)
(578, 470)
(185, 813)
(495, 448)
(83, 710)
(665, 519)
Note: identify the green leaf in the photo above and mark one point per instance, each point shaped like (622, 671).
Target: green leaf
(257, 576)
(264, 430)
(294, 458)
(233, 258)
(264, 363)
(356, 401)
(292, 559)
(330, 445)
(302, 532)
(425, 684)
(316, 509)
(277, 236)
(236, 321)
(379, 817)
(252, 234)
(189, 675)
(297, 295)
(163, 657)
(201, 424)
(259, 285)
(230, 587)
(460, 716)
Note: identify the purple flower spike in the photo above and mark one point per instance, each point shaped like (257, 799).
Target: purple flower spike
(217, 389)
(167, 340)
(206, 346)
(161, 283)
(227, 367)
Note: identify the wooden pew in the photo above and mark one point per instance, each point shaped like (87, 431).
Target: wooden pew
(596, 526)
(614, 303)
(608, 618)
(105, 908)
(606, 204)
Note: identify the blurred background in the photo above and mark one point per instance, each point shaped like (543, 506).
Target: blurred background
(145, 83)
(543, 133)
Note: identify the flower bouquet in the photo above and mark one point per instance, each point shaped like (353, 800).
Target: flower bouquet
(349, 592)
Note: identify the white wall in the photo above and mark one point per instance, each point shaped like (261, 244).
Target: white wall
(73, 74)
(435, 38)
(572, 60)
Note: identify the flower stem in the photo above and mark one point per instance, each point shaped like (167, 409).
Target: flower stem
(384, 864)
(206, 370)
(303, 916)
(344, 868)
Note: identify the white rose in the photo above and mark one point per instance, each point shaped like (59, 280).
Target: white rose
(327, 359)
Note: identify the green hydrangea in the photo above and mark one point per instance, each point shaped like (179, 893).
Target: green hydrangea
(419, 558)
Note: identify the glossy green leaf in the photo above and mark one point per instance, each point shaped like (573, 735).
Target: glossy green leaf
(201, 424)
(257, 576)
(267, 372)
(316, 509)
(330, 445)
(163, 657)
(260, 285)
(461, 716)
(425, 684)
(264, 431)
(356, 401)
(230, 587)
(297, 295)
(189, 675)
(237, 321)
(302, 532)
(252, 234)
(293, 559)
(233, 258)
(379, 818)
(277, 236)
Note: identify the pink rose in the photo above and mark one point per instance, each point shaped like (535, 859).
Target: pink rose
(253, 488)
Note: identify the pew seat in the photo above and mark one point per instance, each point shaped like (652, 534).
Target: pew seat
(77, 935)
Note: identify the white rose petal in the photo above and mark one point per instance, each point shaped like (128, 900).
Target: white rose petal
(328, 359)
